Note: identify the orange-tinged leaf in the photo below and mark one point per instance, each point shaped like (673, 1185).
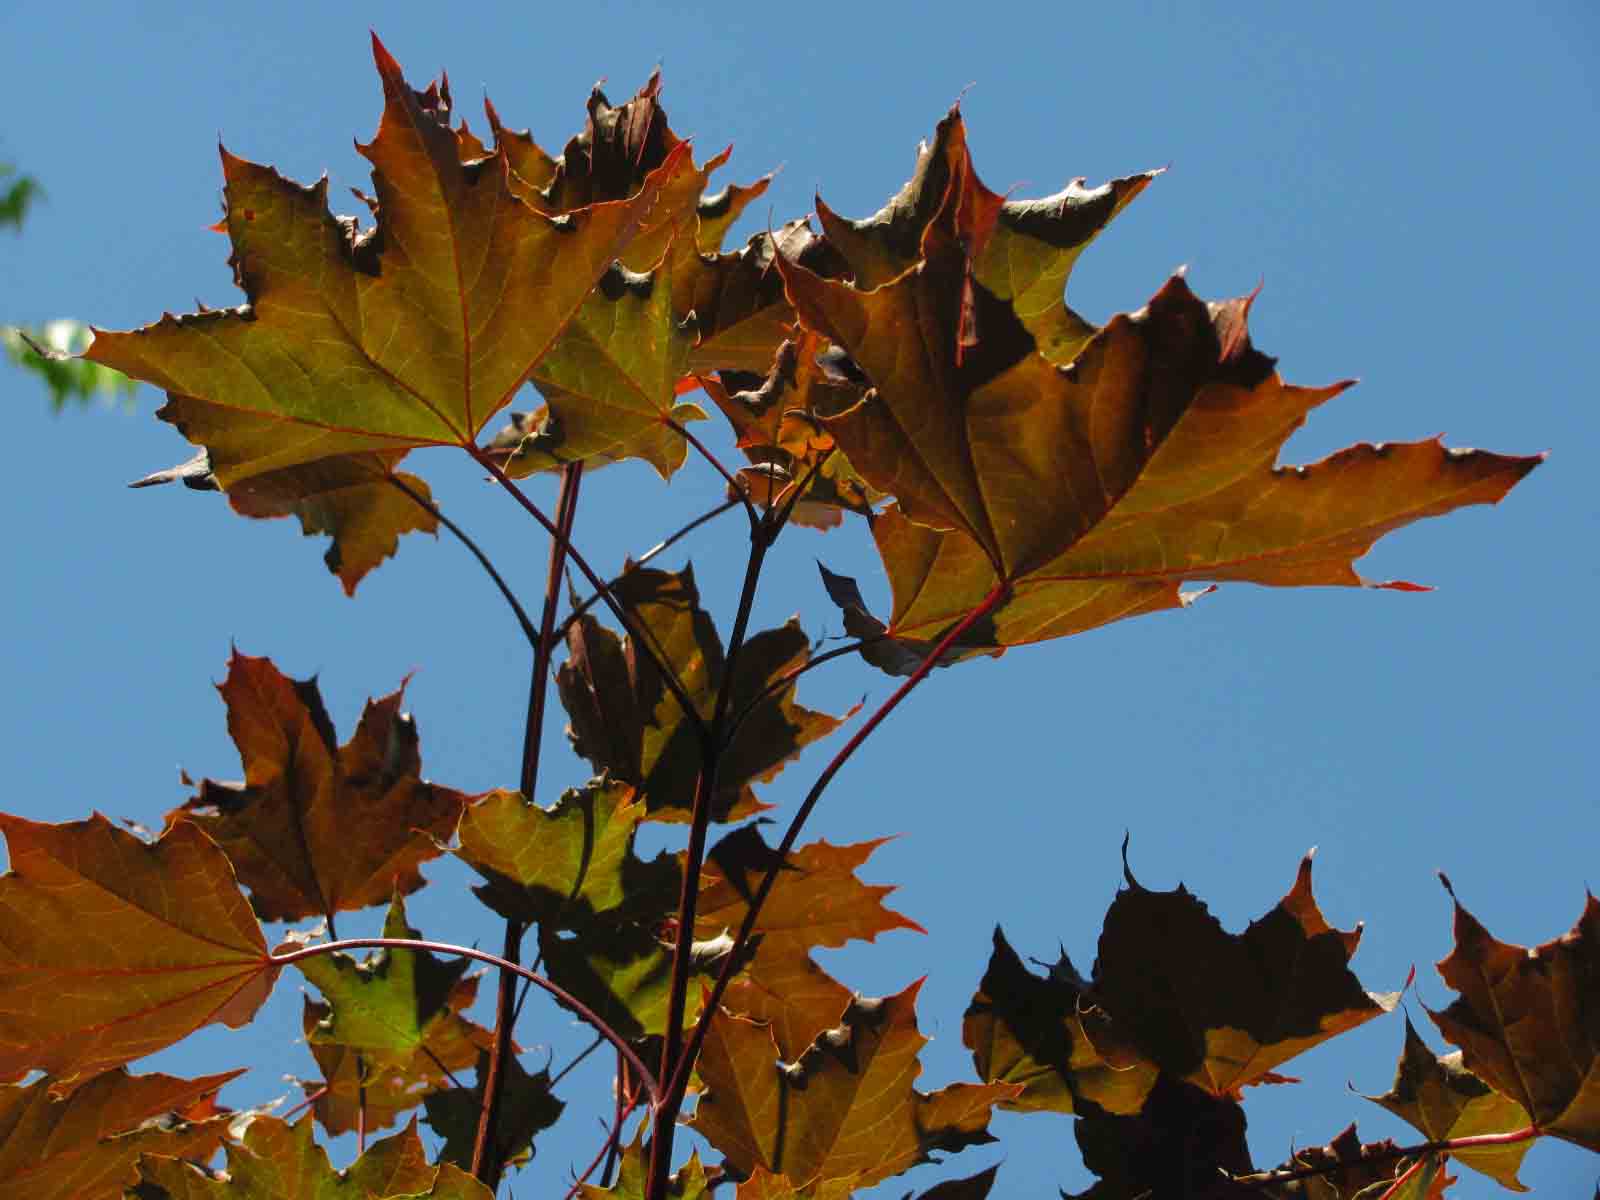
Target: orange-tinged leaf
(413, 333)
(1443, 1100)
(1528, 1021)
(112, 948)
(846, 1108)
(278, 1160)
(1222, 1011)
(84, 1146)
(625, 721)
(1098, 489)
(1045, 1035)
(816, 901)
(317, 828)
(1020, 250)
(764, 1185)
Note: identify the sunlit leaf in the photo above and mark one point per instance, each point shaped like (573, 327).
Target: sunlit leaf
(625, 721)
(1037, 1032)
(84, 1146)
(1528, 1022)
(688, 1182)
(317, 828)
(764, 1185)
(527, 1106)
(1222, 1011)
(847, 1107)
(276, 1161)
(112, 948)
(817, 901)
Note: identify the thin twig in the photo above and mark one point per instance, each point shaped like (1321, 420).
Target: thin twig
(583, 1054)
(805, 483)
(679, 1078)
(361, 1105)
(641, 639)
(439, 1062)
(788, 677)
(612, 1139)
(737, 489)
(483, 559)
(1371, 1154)
(660, 547)
(532, 741)
(565, 998)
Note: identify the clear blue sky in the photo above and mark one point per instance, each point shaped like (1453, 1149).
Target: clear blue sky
(1413, 186)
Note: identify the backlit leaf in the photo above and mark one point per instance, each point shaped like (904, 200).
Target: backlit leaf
(846, 1108)
(1441, 1099)
(1222, 1011)
(317, 828)
(527, 1106)
(816, 901)
(1095, 489)
(764, 1185)
(392, 1004)
(357, 501)
(1037, 1032)
(84, 1146)
(276, 1161)
(1528, 1021)
(688, 1182)
(112, 948)
(625, 721)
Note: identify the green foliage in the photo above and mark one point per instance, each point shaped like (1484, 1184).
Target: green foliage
(1024, 476)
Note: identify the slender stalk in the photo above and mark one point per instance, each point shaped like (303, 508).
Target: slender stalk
(487, 1166)
(563, 997)
(613, 1139)
(582, 1054)
(1266, 1179)
(788, 677)
(439, 1062)
(665, 1117)
(361, 1105)
(678, 1080)
(641, 639)
(733, 484)
(660, 547)
(624, 1090)
(437, 513)
(1405, 1177)
(311, 1098)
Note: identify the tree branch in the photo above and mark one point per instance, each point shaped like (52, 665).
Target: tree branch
(733, 484)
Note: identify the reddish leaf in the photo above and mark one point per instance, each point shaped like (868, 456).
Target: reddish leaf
(84, 1147)
(625, 721)
(816, 901)
(1441, 1099)
(112, 948)
(846, 1108)
(317, 828)
(1528, 1021)
(1221, 1011)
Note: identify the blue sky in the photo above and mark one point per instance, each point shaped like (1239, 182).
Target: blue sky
(1414, 191)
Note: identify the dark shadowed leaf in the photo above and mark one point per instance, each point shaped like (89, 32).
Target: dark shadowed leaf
(846, 1108)
(1222, 1011)
(1350, 1169)
(526, 1107)
(317, 828)
(1037, 1033)
(1528, 1021)
(973, 1187)
(84, 1146)
(112, 948)
(626, 722)
(1441, 1099)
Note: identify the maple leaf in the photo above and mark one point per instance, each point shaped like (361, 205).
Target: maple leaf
(1037, 1032)
(1021, 251)
(1183, 1142)
(1091, 491)
(84, 1146)
(526, 1107)
(1441, 1099)
(688, 1182)
(317, 828)
(561, 864)
(816, 901)
(1528, 1021)
(396, 1004)
(1222, 1011)
(361, 344)
(1354, 1170)
(764, 1185)
(112, 948)
(626, 722)
(278, 1159)
(973, 1187)
(846, 1107)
